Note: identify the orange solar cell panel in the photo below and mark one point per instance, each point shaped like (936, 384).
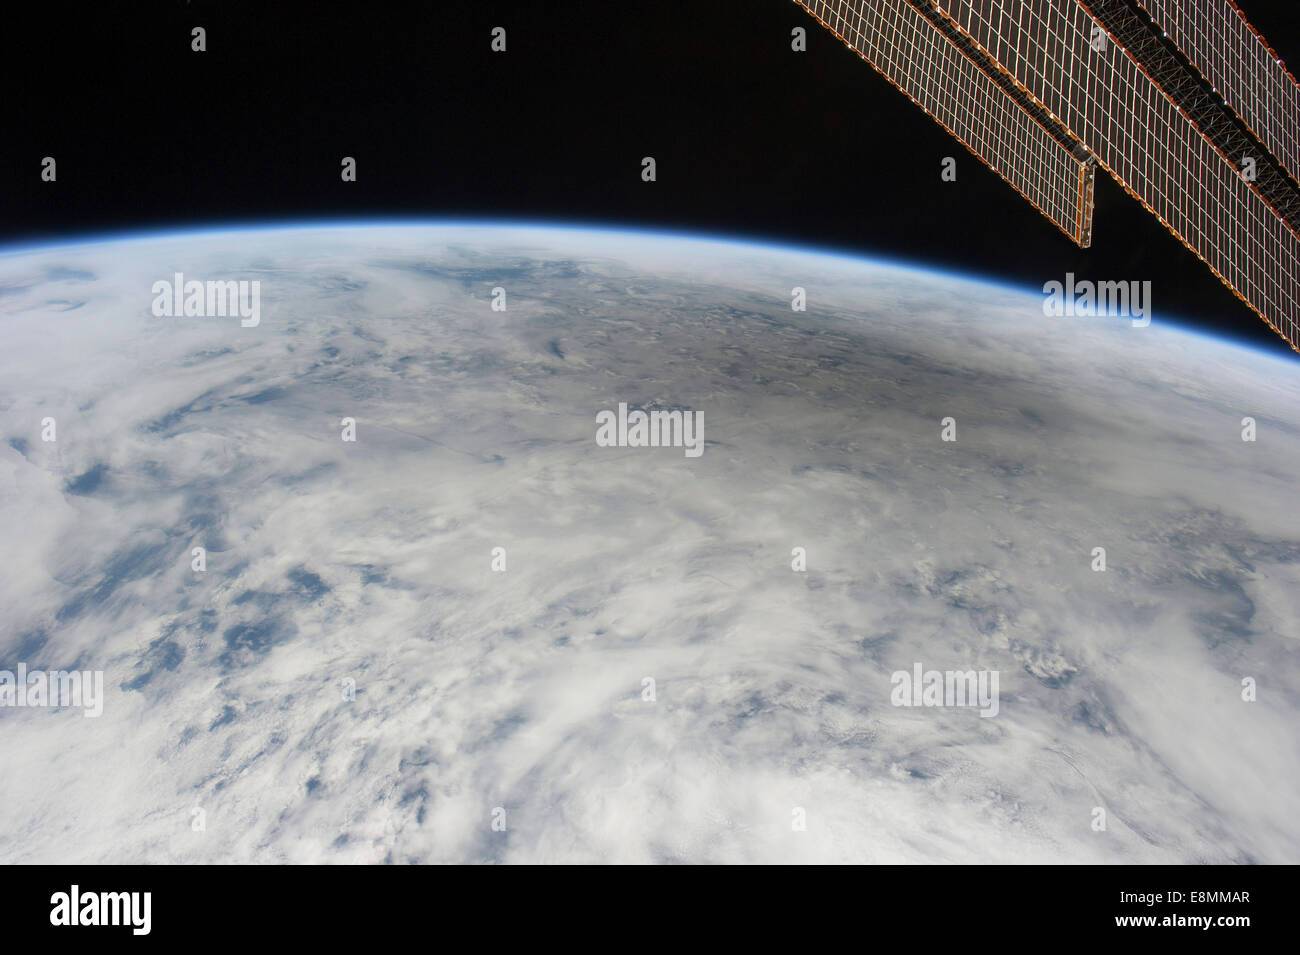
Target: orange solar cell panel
(1231, 55)
(936, 75)
(1062, 58)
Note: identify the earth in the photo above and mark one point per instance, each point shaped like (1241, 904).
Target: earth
(477, 634)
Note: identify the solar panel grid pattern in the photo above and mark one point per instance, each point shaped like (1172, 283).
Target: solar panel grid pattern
(907, 49)
(1227, 51)
(1138, 134)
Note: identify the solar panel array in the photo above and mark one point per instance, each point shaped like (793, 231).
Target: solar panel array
(1106, 101)
(924, 64)
(1226, 50)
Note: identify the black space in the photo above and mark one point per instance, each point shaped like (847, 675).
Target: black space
(749, 137)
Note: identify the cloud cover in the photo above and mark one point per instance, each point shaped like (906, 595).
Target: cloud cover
(371, 560)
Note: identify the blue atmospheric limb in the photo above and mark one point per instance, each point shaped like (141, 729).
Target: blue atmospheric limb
(554, 228)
